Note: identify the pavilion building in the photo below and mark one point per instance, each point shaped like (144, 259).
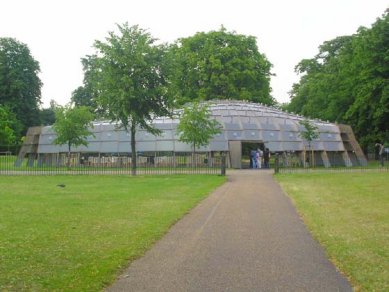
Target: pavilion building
(245, 126)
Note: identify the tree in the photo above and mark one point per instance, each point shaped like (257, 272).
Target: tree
(87, 94)
(347, 82)
(82, 96)
(47, 115)
(72, 126)
(369, 112)
(9, 127)
(20, 86)
(321, 91)
(221, 65)
(128, 75)
(196, 126)
(311, 133)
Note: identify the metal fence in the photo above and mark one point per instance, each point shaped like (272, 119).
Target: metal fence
(111, 164)
(293, 164)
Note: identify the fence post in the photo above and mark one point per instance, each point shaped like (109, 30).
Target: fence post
(277, 164)
(223, 164)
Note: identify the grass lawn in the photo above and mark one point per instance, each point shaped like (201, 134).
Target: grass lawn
(80, 236)
(348, 213)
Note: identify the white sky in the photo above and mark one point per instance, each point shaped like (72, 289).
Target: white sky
(60, 32)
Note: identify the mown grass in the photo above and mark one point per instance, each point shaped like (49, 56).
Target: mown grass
(348, 213)
(78, 237)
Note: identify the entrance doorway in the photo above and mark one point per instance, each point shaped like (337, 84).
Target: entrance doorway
(247, 147)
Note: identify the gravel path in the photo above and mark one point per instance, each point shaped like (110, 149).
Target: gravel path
(246, 236)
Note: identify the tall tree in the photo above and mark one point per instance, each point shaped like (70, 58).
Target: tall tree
(196, 126)
(47, 115)
(348, 82)
(82, 96)
(320, 92)
(9, 127)
(369, 112)
(20, 86)
(221, 65)
(86, 94)
(72, 126)
(128, 75)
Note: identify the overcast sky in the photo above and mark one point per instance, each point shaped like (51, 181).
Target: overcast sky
(59, 33)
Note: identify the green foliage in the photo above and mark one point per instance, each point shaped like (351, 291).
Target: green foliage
(72, 125)
(128, 75)
(83, 96)
(348, 214)
(220, 65)
(196, 126)
(6, 133)
(78, 238)
(310, 133)
(347, 82)
(47, 115)
(87, 94)
(20, 86)
(9, 125)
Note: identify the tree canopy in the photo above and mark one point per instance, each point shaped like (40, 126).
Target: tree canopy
(220, 65)
(128, 76)
(310, 133)
(9, 127)
(196, 126)
(87, 93)
(348, 82)
(72, 126)
(20, 86)
(83, 96)
(47, 115)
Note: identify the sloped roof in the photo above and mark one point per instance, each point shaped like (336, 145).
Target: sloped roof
(241, 121)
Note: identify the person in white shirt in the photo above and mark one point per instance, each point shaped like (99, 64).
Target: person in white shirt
(259, 155)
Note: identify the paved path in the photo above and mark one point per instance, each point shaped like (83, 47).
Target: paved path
(246, 236)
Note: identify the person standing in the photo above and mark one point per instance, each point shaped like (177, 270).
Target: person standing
(266, 157)
(380, 152)
(259, 158)
(253, 159)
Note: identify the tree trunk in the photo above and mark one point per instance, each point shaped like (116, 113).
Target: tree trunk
(193, 156)
(68, 162)
(133, 149)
